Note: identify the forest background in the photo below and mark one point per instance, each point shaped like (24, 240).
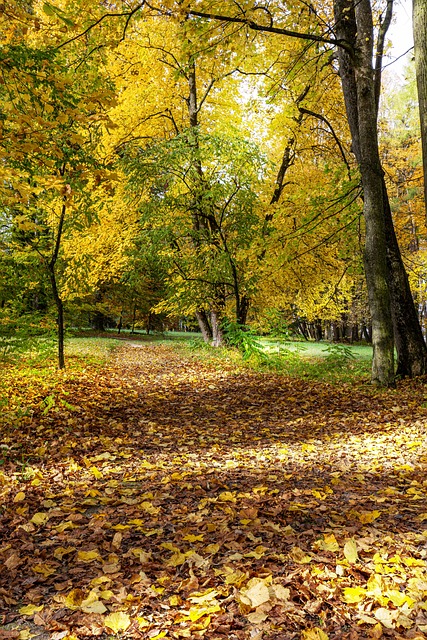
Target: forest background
(162, 169)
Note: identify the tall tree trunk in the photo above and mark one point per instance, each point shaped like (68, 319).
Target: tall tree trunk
(204, 325)
(60, 316)
(242, 311)
(410, 345)
(354, 26)
(52, 275)
(217, 333)
(419, 17)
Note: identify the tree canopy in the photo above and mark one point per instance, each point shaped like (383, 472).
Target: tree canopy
(210, 159)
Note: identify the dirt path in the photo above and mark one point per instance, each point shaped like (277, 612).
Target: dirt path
(168, 498)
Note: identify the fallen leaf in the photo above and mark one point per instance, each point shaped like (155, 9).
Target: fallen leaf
(118, 621)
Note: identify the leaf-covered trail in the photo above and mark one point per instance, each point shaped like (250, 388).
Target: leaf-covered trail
(163, 497)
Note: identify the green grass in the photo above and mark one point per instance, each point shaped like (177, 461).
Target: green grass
(333, 363)
(93, 350)
(312, 349)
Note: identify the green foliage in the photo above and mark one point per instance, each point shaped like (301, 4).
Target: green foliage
(245, 340)
(339, 355)
(30, 335)
(199, 208)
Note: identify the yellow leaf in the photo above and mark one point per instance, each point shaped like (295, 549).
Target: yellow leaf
(397, 597)
(299, 556)
(96, 472)
(350, 551)
(74, 599)
(118, 621)
(195, 613)
(413, 562)
(309, 448)
(40, 518)
(31, 609)
(258, 593)
(158, 589)
(386, 617)
(60, 552)
(192, 538)
(20, 496)
(25, 634)
(368, 516)
(88, 556)
(376, 632)
(354, 594)
(45, 569)
(226, 496)
(94, 607)
(314, 634)
(212, 548)
(174, 601)
(328, 543)
(143, 622)
(235, 577)
(256, 617)
(178, 559)
(149, 508)
(280, 592)
(258, 552)
(146, 465)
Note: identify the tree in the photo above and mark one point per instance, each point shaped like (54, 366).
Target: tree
(419, 16)
(48, 147)
(387, 282)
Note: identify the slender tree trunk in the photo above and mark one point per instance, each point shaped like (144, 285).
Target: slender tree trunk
(419, 17)
(60, 317)
(54, 285)
(217, 334)
(242, 311)
(133, 318)
(204, 325)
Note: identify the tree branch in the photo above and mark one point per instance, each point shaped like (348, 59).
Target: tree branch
(380, 50)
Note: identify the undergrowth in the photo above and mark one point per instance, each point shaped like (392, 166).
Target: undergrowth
(337, 364)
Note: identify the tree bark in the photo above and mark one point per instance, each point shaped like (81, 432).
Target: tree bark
(217, 333)
(60, 318)
(52, 275)
(419, 17)
(410, 345)
(204, 325)
(354, 25)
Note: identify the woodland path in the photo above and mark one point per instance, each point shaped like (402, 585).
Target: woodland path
(166, 497)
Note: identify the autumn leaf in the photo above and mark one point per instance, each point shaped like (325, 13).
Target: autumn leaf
(118, 621)
(255, 594)
(314, 634)
(31, 609)
(354, 594)
(299, 556)
(88, 556)
(40, 518)
(350, 551)
(369, 516)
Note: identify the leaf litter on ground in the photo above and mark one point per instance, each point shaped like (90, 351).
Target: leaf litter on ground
(160, 496)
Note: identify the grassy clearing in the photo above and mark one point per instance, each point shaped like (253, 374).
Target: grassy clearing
(309, 360)
(333, 363)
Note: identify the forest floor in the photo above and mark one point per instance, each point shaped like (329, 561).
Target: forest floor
(160, 496)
